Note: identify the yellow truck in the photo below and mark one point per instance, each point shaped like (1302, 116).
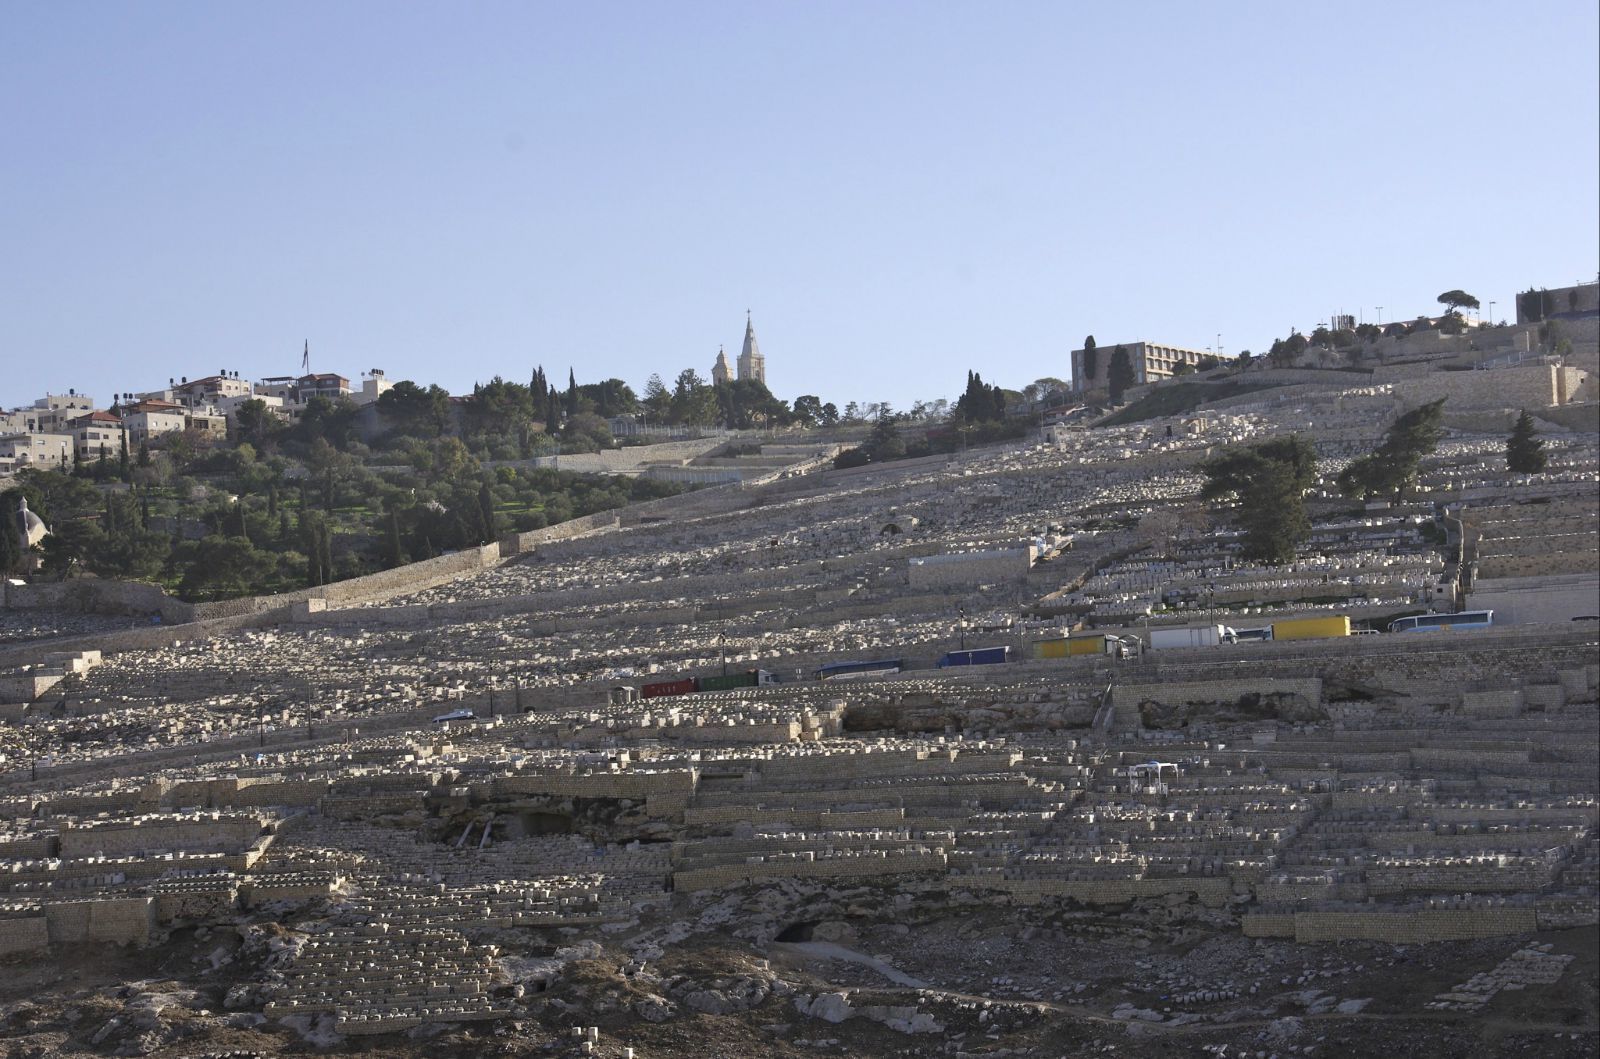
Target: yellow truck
(1311, 628)
(1074, 646)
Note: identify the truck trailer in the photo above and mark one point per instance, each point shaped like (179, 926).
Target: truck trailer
(1074, 646)
(1200, 636)
(1311, 628)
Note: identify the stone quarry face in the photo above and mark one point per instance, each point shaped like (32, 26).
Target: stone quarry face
(260, 840)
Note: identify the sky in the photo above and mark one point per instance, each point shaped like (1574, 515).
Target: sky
(898, 192)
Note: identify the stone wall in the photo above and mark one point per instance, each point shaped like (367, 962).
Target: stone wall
(96, 596)
(1218, 691)
(29, 934)
(118, 920)
(600, 521)
(1532, 386)
(970, 568)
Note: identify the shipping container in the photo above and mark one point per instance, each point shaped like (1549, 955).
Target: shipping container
(1311, 628)
(978, 656)
(1203, 636)
(684, 686)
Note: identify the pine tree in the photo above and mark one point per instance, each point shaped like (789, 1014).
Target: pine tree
(1393, 466)
(1524, 451)
(1269, 483)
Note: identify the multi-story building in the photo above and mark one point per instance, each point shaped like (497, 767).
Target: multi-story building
(97, 434)
(209, 391)
(149, 419)
(34, 449)
(52, 412)
(1150, 361)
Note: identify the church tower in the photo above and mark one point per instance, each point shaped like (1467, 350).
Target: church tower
(721, 373)
(752, 365)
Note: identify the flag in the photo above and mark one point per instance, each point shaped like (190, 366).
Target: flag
(305, 358)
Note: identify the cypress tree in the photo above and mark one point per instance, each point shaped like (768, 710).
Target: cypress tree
(396, 557)
(486, 521)
(325, 553)
(10, 532)
(1524, 451)
(1091, 362)
(1120, 375)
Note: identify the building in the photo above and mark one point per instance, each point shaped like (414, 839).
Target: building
(42, 450)
(149, 419)
(721, 373)
(325, 384)
(209, 391)
(752, 365)
(1559, 303)
(374, 384)
(97, 433)
(1151, 363)
(52, 412)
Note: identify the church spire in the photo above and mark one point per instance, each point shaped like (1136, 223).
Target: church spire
(752, 365)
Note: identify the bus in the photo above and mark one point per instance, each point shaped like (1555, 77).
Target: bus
(1467, 619)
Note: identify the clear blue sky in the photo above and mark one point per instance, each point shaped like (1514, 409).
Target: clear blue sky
(899, 191)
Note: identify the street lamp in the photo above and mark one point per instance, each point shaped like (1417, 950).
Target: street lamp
(963, 611)
(1491, 314)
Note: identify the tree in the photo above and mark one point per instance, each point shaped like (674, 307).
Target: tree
(693, 402)
(394, 554)
(11, 549)
(1267, 484)
(1392, 467)
(1285, 351)
(1091, 361)
(657, 399)
(415, 411)
(1120, 375)
(1454, 300)
(314, 538)
(487, 523)
(222, 566)
(1524, 452)
(808, 409)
